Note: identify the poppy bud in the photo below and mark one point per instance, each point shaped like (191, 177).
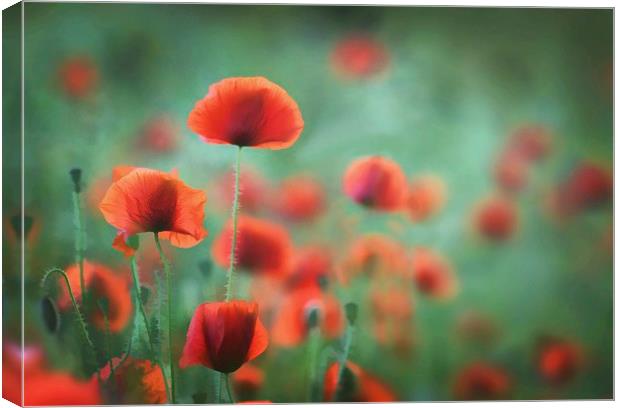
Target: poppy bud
(351, 312)
(312, 318)
(76, 177)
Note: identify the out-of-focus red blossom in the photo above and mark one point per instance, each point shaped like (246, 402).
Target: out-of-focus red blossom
(310, 265)
(359, 56)
(136, 381)
(78, 76)
(247, 381)
(473, 326)
(482, 381)
(102, 283)
(376, 182)
(392, 312)
(496, 218)
(373, 254)
(426, 197)
(511, 172)
(267, 291)
(433, 274)
(251, 185)
(559, 360)
(263, 247)
(299, 198)
(159, 134)
(224, 335)
(587, 186)
(148, 200)
(367, 387)
(290, 326)
(531, 142)
(248, 111)
(41, 385)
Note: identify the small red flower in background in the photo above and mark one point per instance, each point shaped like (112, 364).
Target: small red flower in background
(104, 283)
(496, 218)
(372, 255)
(559, 360)
(262, 247)
(137, 381)
(433, 274)
(366, 387)
(426, 196)
(587, 186)
(531, 142)
(511, 172)
(299, 198)
(78, 76)
(290, 326)
(252, 186)
(376, 182)
(482, 381)
(247, 381)
(310, 265)
(148, 200)
(224, 335)
(359, 56)
(159, 134)
(249, 111)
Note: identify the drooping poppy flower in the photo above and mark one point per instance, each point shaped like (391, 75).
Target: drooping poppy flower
(482, 381)
(136, 381)
(531, 142)
(376, 182)
(559, 360)
(159, 134)
(511, 172)
(311, 265)
(224, 335)
(433, 274)
(78, 76)
(247, 381)
(299, 198)
(262, 247)
(252, 186)
(359, 56)
(148, 200)
(247, 112)
(364, 388)
(476, 327)
(496, 218)
(102, 283)
(373, 254)
(290, 326)
(426, 196)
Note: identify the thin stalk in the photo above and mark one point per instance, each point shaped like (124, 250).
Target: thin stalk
(230, 395)
(344, 356)
(312, 356)
(218, 389)
(79, 241)
(235, 210)
(166, 264)
(108, 347)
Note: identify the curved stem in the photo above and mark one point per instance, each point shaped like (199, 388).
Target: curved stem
(79, 241)
(166, 263)
(235, 210)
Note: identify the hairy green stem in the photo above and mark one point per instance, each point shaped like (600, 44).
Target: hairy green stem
(235, 210)
(312, 356)
(79, 241)
(344, 356)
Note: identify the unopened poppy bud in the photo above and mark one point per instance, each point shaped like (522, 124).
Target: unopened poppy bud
(322, 282)
(351, 312)
(76, 177)
(312, 318)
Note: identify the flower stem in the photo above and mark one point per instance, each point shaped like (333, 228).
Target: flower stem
(166, 263)
(344, 356)
(314, 340)
(79, 241)
(235, 210)
(230, 396)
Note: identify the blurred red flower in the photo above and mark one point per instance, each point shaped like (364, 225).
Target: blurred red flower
(252, 186)
(249, 111)
(159, 134)
(224, 335)
(426, 196)
(376, 182)
(311, 264)
(299, 198)
(247, 381)
(136, 381)
(496, 218)
(482, 381)
(366, 387)
(262, 247)
(511, 172)
(559, 360)
(587, 186)
(359, 56)
(433, 274)
(531, 142)
(372, 255)
(290, 326)
(104, 284)
(78, 76)
(148, 200)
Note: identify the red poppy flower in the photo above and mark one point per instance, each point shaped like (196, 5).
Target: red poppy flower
(481, 381)
(373, 254)
(366, 387)
(78, 76)
(310, 265)
(496, 218)
(290, 322)
(102, 283)
(531, 142)
(376, 182)
(433, 274)
(252, 186)
(587, 186)
(137, 381)
(153, 201)
(426, 196)
(559, 360)
(251, 111)
(511, 172)
(160, 135)
(247, 381)
(224, 335)
(359, 56)
(300, 198)
(262, 247)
